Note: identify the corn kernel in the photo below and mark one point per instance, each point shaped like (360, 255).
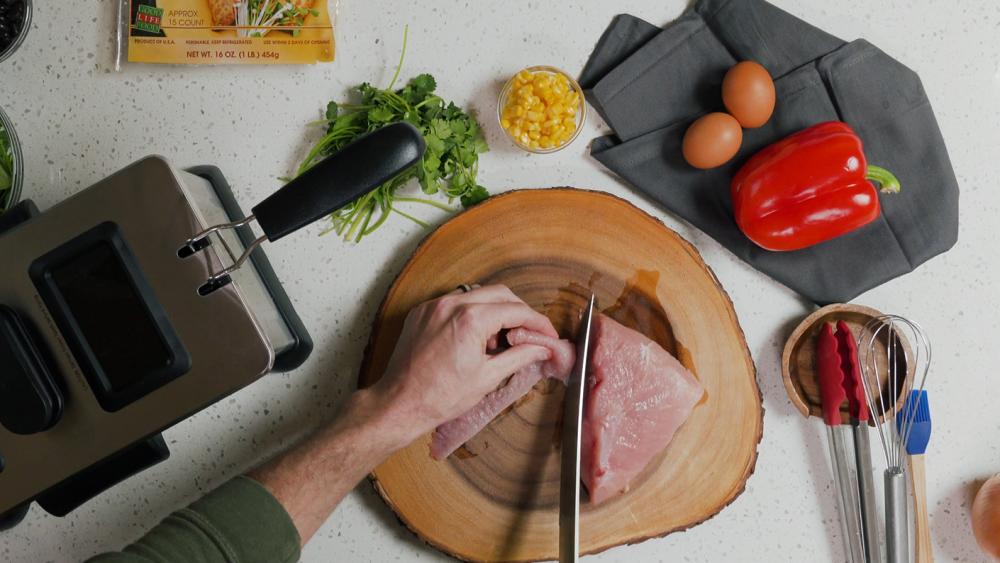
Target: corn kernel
(541, 108)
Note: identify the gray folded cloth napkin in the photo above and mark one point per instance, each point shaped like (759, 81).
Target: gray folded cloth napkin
(649, 84)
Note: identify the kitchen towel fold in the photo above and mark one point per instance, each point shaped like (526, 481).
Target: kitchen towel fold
(650, 84)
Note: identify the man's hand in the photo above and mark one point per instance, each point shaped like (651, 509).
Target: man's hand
(442, 365)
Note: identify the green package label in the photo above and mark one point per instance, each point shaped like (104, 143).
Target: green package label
(148, 18)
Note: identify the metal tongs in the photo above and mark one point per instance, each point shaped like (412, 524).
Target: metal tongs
(840, 380)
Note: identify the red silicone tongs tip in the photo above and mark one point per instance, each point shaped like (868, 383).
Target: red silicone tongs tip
(853, 386)
(831, 375)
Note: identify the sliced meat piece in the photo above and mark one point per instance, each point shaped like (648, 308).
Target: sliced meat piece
(563, 352)
(638, 396)
(449, 436)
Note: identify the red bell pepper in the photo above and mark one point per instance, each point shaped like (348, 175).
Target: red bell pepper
(808, 188)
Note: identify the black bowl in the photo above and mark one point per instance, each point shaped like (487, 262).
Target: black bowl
(14, 15)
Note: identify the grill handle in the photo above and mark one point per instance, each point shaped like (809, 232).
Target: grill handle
(340, 179)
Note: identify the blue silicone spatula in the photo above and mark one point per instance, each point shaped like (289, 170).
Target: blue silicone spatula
(919, 413)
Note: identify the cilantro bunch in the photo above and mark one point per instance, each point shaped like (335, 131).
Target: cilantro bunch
(449, 166)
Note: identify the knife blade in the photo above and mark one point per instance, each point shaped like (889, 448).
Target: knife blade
(569, 479)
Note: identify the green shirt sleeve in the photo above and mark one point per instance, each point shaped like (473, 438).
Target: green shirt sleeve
(240, 522)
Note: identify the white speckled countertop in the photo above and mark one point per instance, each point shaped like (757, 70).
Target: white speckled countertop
(79, 121)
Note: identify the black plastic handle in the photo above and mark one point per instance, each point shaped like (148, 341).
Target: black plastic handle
(340, 179)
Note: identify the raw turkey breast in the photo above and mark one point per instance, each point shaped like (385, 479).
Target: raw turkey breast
(638, 395)
(449, 436)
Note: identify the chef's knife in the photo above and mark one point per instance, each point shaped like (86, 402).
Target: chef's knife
(569, 487)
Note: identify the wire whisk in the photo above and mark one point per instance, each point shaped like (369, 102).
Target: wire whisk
(887, 376)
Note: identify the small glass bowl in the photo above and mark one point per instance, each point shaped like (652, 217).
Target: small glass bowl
(25, 26)
(581, 114)
(9, 197)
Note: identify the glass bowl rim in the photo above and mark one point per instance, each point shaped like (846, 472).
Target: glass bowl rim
(13, 47)
(581, 115)
(10, 197)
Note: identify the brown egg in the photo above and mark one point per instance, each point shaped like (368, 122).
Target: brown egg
(986, 517)
(748, 92)
(712, 140)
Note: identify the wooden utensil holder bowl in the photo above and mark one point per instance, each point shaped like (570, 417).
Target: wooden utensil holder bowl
(798, 361)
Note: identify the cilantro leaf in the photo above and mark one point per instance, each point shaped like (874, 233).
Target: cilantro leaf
(441, 128)
(459, 127)
(5, 181)
(458, 183)
(332, 109)
(380, 115)
(424, 84)
(474, 196)
(434, 143)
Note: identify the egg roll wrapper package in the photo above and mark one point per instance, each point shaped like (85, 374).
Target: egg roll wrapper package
(650, 86)
(226, 31)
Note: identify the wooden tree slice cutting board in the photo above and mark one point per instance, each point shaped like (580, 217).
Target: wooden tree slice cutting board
(497, 498)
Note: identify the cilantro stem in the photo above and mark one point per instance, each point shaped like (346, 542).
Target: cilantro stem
(385, 215)
(364, 225)
(428, 100)
(402, 55)
(439, 205)
(412, 218)
(330, 229)
(358, 217)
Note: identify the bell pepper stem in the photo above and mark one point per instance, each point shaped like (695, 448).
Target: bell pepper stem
(888, 183)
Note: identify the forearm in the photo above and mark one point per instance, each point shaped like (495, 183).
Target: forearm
(266, 517)
(312, 478)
